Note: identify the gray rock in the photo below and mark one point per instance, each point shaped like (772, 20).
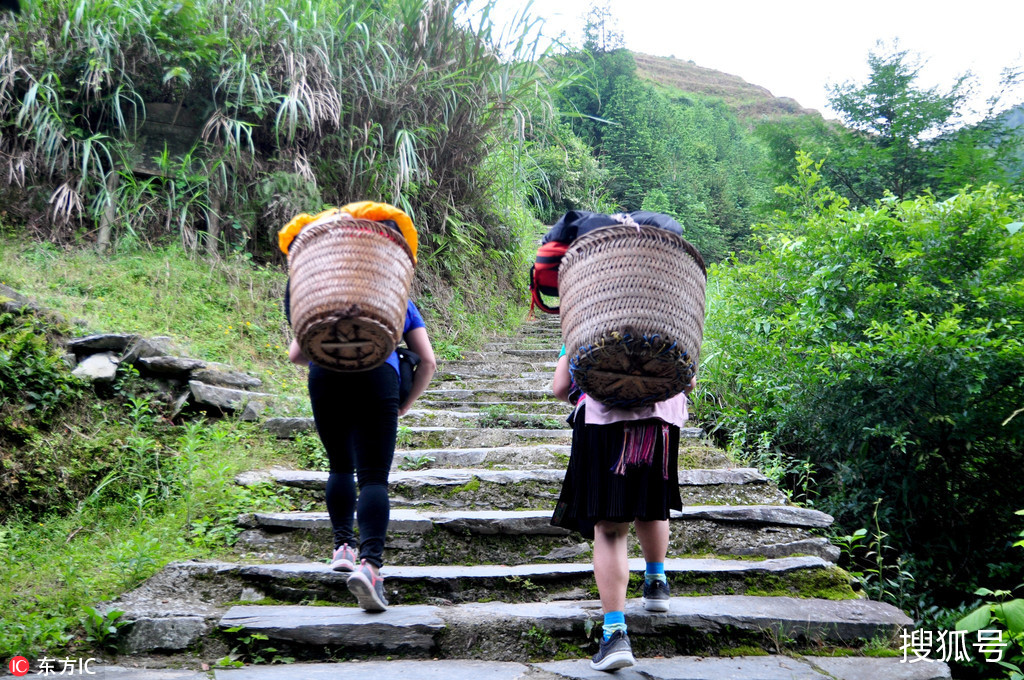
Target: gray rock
(170, 633)
(112, 342)
(757, 514)
(448, 669)
(253, 410)
(223, 398)
(98, 368)
(223, 378)
(140, 348)
(406, 629)
(169, 366)
(285, 428)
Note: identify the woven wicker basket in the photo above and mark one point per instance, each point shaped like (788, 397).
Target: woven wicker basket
(350, 281)
(632, 302)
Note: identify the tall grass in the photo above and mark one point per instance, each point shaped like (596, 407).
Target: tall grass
(396, 101)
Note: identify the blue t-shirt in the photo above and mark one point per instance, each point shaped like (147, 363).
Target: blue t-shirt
(413, 319)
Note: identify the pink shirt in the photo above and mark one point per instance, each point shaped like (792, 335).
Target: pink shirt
(672, 411)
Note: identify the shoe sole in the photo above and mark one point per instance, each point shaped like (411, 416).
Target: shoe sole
(343, 565)
(655, 605)
(367, 597)
(614, 662)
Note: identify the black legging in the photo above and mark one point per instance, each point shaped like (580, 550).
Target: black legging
(356, 415)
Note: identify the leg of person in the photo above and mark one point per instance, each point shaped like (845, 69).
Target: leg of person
(374, 445)
(653, 538)
(611, 571)
(334, 426)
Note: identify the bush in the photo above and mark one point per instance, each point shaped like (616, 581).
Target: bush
(884, 346)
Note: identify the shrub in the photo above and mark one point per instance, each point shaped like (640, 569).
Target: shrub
(884, 345)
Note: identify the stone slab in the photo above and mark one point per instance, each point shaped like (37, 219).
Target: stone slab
(445, 477)
(124, 673)
(840, 620)
(408, 628)
(708, 477)
(170, 365)
(694, 668)
(401, 521)
(448, 669)
(874, 669)
(787, 515)
(320, 571)
(224, 398)
(537, 522)
(113, 342)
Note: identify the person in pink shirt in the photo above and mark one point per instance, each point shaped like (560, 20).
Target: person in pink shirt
(622, 470)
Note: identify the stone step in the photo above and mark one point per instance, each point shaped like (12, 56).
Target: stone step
(521, 536)
(557, 408)
(447, 584)
(501, 631)
(549, 354)
(532, 381)
(420, 437)
(490, 395)
(525, 457)
(536, 488)
(477, 437)
(488, 417)
(768, 667)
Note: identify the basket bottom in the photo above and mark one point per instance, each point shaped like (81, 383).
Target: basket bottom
(617, 372)
(348, 344)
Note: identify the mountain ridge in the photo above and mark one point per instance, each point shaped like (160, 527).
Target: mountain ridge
(749, 101)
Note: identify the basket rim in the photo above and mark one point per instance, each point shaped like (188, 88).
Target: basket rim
(361, 224)
(613, 230)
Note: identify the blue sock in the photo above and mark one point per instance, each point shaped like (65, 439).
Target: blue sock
(614, 621)
(655, 572)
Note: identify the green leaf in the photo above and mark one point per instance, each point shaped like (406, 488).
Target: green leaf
(976, 620)
(1014, 227)
(1013, 614)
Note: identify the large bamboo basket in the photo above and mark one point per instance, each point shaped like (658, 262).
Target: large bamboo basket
(632, 301)
(350, 282)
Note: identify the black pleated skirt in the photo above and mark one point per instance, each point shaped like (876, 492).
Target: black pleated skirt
(592, 490)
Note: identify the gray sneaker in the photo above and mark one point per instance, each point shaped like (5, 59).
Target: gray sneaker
(368, 588)
(656, 596)
(615, 653)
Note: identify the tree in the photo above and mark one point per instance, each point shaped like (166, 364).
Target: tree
(898, 137)
(897, 121)
(600, 31)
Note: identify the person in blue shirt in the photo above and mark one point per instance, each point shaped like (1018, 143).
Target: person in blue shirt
(356, 416)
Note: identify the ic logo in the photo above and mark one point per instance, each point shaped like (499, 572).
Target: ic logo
(18, 666)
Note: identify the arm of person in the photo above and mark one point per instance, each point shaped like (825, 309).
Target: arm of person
(419, 342)
(562, 382)
(295, 354)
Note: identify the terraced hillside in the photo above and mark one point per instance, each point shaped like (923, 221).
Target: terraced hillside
(482, 586)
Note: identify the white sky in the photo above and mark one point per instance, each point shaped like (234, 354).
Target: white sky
(795, 48)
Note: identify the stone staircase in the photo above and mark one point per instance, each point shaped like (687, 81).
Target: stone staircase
(482, 586)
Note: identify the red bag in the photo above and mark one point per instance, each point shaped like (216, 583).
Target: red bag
(544, 275)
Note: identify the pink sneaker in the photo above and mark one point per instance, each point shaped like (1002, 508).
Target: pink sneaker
(368, 588)
(344, 559)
